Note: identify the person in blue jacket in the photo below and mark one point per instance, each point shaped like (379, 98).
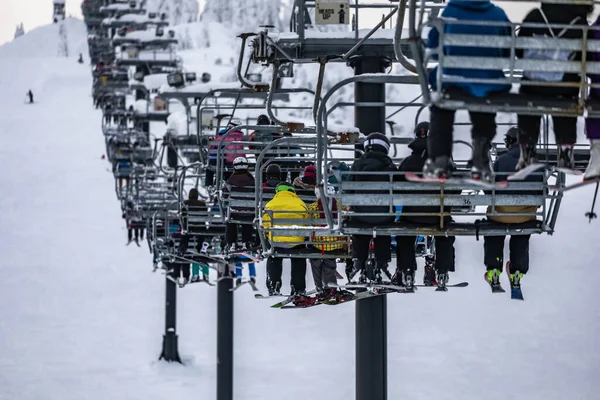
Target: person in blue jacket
(442, 120)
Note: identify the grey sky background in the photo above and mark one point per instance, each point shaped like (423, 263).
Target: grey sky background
(34, 13)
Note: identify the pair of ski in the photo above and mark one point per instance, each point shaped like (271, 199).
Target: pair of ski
(239, 284)
(523, 173)
(515, 291)
(517, 176)
(183, 284)
(371, 291)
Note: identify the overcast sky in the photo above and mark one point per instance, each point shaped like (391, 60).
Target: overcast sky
(34, 13)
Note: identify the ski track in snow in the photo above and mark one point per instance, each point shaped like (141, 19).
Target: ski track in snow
(82, 316)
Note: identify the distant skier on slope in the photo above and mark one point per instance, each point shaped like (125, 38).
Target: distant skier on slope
(30, 95)
(80, 59)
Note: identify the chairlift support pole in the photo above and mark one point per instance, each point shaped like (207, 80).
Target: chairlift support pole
(371, 314)
(225, 334)
(170, 347)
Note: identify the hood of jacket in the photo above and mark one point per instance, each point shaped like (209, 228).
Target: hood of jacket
(418, 146)
(471, 5)
(299, 184)
(288, 201)
(241, 179)
(373, 161)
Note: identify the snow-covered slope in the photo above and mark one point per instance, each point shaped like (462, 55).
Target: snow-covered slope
(46, 41)
(81, 315)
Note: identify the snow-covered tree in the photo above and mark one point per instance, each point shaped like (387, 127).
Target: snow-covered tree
(20, 31)
(243, 15)
(177, 11)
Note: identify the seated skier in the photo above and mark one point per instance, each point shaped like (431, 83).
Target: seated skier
(241, 181)
(565, 128)
(405, 248)
(324, 269)
(518, 265)
(442, 120)
(285, 204)
(193, 204)
(375, 159)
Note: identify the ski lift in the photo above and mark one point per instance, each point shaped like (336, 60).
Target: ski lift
(176, 80)
(286, 70)
(254, 77)
(190, 77)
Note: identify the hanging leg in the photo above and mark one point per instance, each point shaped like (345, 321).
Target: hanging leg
(591, 214)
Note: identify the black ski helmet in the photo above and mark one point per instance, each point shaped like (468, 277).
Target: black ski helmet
(377, 141)
(263, 120)
(273, 171)
(422, 129)
(511, 136)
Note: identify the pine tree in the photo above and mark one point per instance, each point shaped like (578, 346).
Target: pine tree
(20, 31)
(177, 11)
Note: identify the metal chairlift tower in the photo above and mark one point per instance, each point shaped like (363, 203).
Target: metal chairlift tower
(59, 11)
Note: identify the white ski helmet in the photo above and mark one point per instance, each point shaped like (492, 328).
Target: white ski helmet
(240, 164)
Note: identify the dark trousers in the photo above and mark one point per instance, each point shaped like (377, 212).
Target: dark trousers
(519, 252)
(180, 269)
(565, 129)
(444, 253)
(442, 128)
(382, 248)
(185, 241)
(274, 270)
(232, 230)
(323, 272)
(139, 233)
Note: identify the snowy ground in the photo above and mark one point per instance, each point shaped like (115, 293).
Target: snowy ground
(81, 315)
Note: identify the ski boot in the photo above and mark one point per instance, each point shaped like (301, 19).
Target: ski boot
(408, 279)
(492, 276)
(440, 167)
(429, 278)
(182, 282)
(238, 281)
(442, 280)
(397, 278)
(515, 283)
(274, 289)
(480, 167)
(359, 267)
(195, 278)
(566, 156)
(381, 268)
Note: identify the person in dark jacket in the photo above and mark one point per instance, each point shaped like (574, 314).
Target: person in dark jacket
(30, 95)
(375, 159)
(519, 244)
(565, 128)
(272, 178)
(239, 183)
(442, 120)
(195, 205)
(406, 262)
(134, 222)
